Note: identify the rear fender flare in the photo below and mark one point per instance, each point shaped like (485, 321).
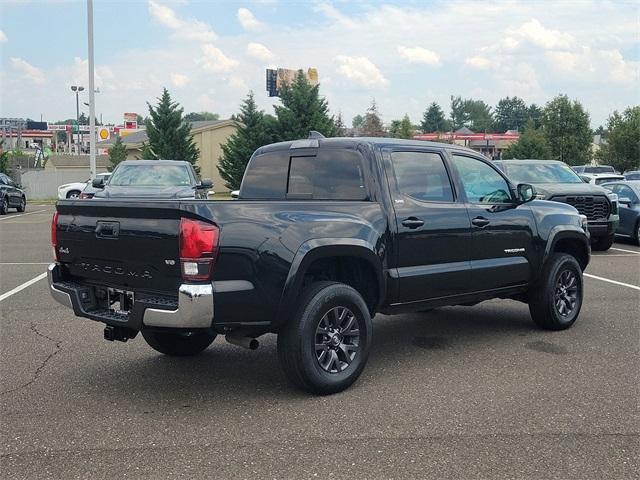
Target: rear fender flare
(316, 249)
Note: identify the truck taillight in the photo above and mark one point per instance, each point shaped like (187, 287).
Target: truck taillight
(198, 248)
(54, 236)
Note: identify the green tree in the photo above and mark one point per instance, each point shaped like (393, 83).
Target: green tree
(357, 122)
(401, 128)
(478, 115)
(200, 116)
(372, 125)
(566, 127)
(117, 153)
(458, 115)
(4, 158)
(531, 144)
(534, 112)
(254, 129)
(169, 133)
(434, 120)
(622, 149)
(511, 114)
(302, 110)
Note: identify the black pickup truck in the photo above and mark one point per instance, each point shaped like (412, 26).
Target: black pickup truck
(325, 234)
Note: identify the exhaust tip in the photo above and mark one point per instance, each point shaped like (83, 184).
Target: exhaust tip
(249, 343)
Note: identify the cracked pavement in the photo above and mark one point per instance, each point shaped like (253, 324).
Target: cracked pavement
(456, 393)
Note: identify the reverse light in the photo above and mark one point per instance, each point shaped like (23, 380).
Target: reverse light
(198, 248)
(54, 236)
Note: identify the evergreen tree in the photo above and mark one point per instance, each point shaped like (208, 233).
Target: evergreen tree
(169, 133)
(372, 124)
(534, 112)
(341, 128)
(478, 116)
(434, 120)
(401, 128)
(458, 116)
(302, 110)
(254, 129)
(531, 144)
(117, 153)
(622, 149)
(357, 122)
(566, 127)
(511, 114)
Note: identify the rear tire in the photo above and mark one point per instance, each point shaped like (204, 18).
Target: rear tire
(602, 244)
(555, 302)
(23, 204)
(324, 347)
(178, 344)
(4, 206)
(637, 237)
(73, 194)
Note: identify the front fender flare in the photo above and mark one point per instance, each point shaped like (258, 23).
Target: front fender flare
(561, 232)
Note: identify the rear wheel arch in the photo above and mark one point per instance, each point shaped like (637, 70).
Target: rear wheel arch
(353, 264)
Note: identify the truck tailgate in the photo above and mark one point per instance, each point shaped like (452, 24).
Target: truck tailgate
(121, 244)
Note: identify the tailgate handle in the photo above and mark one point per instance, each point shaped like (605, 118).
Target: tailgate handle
(107, 229)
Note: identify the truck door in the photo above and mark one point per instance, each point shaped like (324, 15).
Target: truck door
(433, 228)
(502, 250)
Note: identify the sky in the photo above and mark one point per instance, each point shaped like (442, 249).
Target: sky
(405, 55)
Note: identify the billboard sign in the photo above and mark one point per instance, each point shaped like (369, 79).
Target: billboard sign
(276, 79)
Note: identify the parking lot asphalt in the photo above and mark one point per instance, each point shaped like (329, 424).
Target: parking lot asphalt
(458, 392)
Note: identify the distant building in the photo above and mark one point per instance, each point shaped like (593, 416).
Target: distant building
(209, 136)
(491, 145)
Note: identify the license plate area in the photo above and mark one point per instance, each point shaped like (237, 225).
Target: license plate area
(120, 301)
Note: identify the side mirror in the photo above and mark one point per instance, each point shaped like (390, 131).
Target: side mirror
(97, 182)
(625, 201)
(526, 192)
(235, 194)
(205, 183)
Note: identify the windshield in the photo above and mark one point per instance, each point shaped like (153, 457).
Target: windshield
(150, 176)
(541, 173)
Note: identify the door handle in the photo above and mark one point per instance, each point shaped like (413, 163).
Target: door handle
(412, 222)
(480, 222)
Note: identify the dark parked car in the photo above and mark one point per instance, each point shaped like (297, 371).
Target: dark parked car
(628, 192)
(11, 195)
(152, 179)
(555, 181)
(325, 234)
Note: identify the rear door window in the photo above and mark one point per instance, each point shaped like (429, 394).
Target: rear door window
(422, 175)
(266, 177)
(329, 175)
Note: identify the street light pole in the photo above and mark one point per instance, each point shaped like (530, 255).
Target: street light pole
(92, 92)
(77, 89)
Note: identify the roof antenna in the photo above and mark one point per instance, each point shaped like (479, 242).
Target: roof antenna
(313, 134)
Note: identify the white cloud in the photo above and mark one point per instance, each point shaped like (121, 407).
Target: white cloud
(3, 37)
(186, 29)
(334, 14)
(214, 60)
(481, 63)
(248, 20)
(596, 64)
(238, 83)
(361, 70)
(259, 52)
(419, 55)
(534, 32)
(179, 80)
(28, 71)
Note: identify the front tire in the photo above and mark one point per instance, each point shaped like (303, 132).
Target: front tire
(182, 344)
(555, 302)
(324, 348)
(23, 205)
(73, 194)
(4, 206)
(602, 244)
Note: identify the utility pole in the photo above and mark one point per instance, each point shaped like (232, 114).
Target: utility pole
(77, 89)
(92, 93)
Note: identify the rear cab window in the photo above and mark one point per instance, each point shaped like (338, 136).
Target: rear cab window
(324, 174)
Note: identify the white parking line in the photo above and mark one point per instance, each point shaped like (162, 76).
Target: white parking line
(25, 263)
(635, 287)
(19, 288)
(22, 214)
(623, 250)
(612, 255)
